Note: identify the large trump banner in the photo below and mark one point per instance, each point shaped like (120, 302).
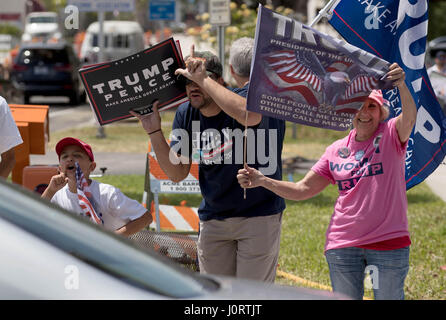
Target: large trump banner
(396, 31)
(302, 75)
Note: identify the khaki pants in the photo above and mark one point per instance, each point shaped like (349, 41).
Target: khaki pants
(240, 247)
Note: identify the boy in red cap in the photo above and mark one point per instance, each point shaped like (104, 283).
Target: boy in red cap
(104, 203)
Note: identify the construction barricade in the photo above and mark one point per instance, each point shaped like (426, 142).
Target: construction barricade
(166, 217)
(33, 124)
(37, 177)
(176, 227)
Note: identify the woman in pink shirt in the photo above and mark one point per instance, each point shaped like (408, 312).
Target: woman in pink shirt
(368, 230)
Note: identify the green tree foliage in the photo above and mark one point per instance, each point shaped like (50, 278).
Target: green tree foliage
(54, 5)
(243, 24)
(437, 13)
(9, 29)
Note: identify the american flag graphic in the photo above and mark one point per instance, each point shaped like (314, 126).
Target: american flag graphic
(307, 78)
(285, 64)
(361, 84)
(290, 78)
(357, 91)
(319, 83)
(338, 66)
(85, 197)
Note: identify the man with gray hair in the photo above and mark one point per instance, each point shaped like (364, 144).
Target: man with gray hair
(240, 57)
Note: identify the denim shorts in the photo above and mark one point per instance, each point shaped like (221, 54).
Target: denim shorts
(388, 270)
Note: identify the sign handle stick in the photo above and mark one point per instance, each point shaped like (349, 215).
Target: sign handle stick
(157, 212)
(325, 12)
(245, 138)
(221, 46)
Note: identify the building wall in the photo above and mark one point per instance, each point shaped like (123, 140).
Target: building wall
(13, 12)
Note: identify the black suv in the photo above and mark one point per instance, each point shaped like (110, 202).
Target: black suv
(47, 70)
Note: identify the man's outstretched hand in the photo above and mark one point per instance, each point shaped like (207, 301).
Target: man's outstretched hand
(150, 122)
(195, 68)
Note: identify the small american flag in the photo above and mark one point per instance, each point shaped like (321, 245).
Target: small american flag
(86, 200)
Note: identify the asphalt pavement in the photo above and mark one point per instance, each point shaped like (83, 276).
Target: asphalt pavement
(63, 117)
(437, 181)
(114, 162)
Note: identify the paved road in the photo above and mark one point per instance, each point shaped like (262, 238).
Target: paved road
(116, 163)
(437, 181)
(63, 116)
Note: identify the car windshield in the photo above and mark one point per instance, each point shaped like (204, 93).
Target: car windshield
(97, 247)
(95, 40)
(47, 56)
(121, 41)
(42, 20)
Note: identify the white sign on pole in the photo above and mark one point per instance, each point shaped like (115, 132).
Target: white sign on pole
(103, 5)
(219, 13)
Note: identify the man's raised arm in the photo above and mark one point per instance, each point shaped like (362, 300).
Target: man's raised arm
(176, 167)
(231, 103)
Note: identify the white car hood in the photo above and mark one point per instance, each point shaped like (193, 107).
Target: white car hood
(244, 289)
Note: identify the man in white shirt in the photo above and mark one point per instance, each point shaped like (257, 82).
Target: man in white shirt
(440, 63)
(118, 213)
(437, 76)
(9, 138)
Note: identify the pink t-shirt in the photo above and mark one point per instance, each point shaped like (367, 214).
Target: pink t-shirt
(372, 203)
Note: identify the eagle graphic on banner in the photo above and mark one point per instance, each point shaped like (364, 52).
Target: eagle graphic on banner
(301, 75)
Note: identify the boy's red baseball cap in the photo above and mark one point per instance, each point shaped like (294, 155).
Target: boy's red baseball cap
(68, 141)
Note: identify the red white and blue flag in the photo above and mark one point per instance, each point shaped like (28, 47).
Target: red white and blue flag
(289, 69)
(302, 75)
(85, 197)
(396, 31)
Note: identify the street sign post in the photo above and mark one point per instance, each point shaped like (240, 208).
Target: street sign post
(220, 16)
(162, 10)
(103, 5)
(219, 13)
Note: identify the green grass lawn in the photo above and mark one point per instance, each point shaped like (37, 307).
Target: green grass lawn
(303, 238)
(303, 235)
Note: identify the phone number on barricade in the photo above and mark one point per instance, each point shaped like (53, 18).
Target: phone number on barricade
(185, 186)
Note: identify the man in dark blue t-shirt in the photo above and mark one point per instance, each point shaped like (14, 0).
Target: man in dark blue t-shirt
(238, 236)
